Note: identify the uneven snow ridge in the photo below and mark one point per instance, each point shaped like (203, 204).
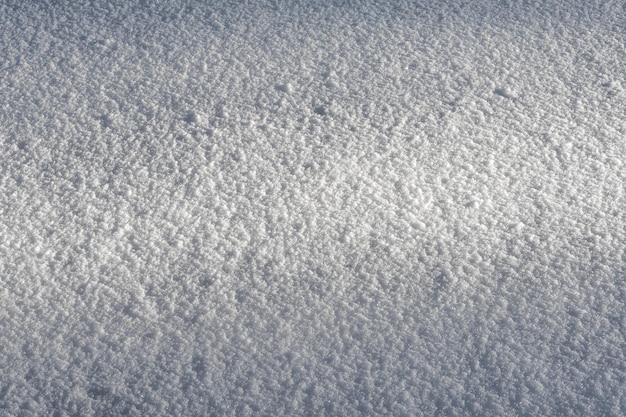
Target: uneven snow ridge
(307, 208)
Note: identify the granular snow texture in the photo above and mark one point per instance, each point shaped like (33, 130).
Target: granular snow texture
(307, 208)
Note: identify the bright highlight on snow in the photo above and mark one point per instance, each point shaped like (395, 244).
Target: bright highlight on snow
(306, 208)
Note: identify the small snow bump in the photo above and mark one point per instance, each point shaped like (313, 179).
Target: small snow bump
(320, 110)
(284, 88)
(191, 117)
(612, 84)
(516, 227)
(505, 92)
(331, 83)
(612, 88)
(222, 112)
(207, 282)
(472, 204)
(418, 225)
(106, 121)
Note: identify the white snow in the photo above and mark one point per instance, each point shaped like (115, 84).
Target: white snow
(284, 208)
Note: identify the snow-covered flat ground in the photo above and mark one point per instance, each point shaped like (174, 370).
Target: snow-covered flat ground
(312, 208)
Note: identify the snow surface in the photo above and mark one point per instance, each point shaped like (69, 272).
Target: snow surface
(307, 208)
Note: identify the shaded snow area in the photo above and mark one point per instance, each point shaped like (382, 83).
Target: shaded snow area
(283, 208)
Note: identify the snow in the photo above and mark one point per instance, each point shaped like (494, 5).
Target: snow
(312, 208)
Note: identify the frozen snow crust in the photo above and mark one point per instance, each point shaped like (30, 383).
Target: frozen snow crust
(305, 209)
